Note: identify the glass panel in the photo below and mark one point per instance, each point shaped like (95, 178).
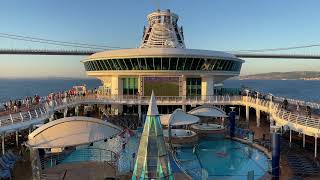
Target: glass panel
(96, 66)
(157, 63)
(200, 64)
(180, 64)
(121, 64)
(227, 65)
(215, 67)
(86, 66)
(165, 63)
(142, 63)
(105, 64)
(130, 86)
(111, 64)
(212, 63)
(135, 64)
(187, 65)
(128, 63)
(221, 64)
(150, 63)
(193, 86)
(173, 63)
(102, 65)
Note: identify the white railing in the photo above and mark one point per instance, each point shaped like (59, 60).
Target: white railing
(292, 118)
(79, 155)
(45, 109)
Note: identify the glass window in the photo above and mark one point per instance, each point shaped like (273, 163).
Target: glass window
(128, 63)
(121, 64)
(187, 65)
(86, 67)
(103, 65)
(157, 63)
(200, 64)
(93, 66)
(173, 63)
(150, 63)
(107, 63)
(230, 65)
(194, 64)
(142, 64)
(216, 65)
(135, 64)
(220, 67)
(193, 86)
(180, 65)
(226, 65)
(165, 63)
(97, 68)
(130, 86)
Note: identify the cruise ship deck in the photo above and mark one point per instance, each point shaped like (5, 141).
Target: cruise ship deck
(161, 112)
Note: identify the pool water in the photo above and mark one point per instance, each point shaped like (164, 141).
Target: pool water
(223, 159)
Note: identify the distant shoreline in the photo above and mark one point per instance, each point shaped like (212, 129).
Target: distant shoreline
(294, 75)
(277, 79)
(46, 78)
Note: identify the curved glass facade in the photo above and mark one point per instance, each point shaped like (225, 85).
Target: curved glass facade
(164, 63)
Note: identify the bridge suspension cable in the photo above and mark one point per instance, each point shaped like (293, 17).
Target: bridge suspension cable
(277, 49)
(105, 47)
(55, 42)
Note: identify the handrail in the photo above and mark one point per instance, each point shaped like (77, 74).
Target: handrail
(45, 109)
(79, 155)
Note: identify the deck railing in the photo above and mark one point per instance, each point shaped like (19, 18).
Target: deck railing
(46, 109)
(79, 155)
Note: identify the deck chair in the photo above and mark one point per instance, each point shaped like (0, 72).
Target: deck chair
(5, 165)
(5, 174)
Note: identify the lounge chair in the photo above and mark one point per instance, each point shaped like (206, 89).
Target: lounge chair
(8, 159)
(5, 173)
(5, 165)
(10, 153)
(6, 156)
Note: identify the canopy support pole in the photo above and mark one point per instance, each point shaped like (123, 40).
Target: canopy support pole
(17, 138)
(290, 139)
(3, 150)
(315, 146)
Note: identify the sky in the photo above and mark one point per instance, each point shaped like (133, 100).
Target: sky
(224, 25)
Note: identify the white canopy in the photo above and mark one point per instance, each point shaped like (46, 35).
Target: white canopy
(208, 111)
(179, 117)
(71, 131)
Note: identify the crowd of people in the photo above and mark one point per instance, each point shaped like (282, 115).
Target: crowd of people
(300, 109)
(31, 102)
(17, 105)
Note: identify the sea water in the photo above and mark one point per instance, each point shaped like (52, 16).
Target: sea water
(20, 88)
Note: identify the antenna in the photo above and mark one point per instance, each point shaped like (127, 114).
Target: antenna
(157, 4)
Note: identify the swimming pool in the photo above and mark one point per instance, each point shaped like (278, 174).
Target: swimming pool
(223, 159)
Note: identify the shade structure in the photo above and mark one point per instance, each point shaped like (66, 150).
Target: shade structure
(71, 131)
(178, 118)
(152, 160)
(208, 111)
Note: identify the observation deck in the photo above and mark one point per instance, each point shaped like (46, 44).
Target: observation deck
(162, 54)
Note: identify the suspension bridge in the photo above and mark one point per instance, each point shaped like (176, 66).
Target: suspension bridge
(90, 52)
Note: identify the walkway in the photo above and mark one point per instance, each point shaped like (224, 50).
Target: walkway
(289, 118)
